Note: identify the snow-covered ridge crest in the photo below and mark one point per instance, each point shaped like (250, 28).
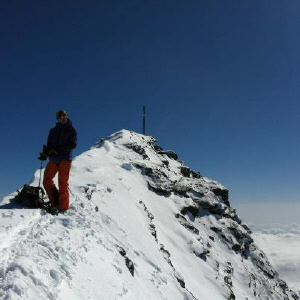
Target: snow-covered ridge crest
(160, 231)
(201, 198)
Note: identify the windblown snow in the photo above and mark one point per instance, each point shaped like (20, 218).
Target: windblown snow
(142, 225)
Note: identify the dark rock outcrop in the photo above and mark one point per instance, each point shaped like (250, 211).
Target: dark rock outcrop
(128, 261)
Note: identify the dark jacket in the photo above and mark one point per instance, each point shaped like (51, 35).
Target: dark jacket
(63, 139)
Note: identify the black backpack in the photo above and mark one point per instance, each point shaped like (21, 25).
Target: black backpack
(32, 197)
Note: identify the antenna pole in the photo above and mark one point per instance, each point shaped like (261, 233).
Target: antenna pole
(144, 119)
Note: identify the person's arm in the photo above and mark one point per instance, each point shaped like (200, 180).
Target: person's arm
(50, 150)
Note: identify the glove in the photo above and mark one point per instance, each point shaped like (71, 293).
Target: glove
(43, 156)
(51, 152)
(47, 152)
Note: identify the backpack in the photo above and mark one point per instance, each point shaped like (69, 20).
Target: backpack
(32, 197)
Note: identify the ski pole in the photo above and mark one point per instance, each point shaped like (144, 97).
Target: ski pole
(41, 173)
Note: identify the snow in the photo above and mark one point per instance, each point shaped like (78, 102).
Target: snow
(126, 237)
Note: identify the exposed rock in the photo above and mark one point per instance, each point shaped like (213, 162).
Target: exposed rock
(167, 255)
(153, 231)
(152, 227)
(223, 193)
(236, 247)
(129, 265)
(165, 163)
(138, 149)
(216, 230)
(128, 262)
(196, 174)
(214, 208)
(203, 255)
(180, 280)
(171, 154)
(185, 171)
(158, 190)
(183, 221)
(246, 228)
(121, 251)
(237, 233)
(283, 285)
(193, 210)
(157, 148)
(228, 280)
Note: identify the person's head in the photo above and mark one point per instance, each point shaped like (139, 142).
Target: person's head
(61, 116)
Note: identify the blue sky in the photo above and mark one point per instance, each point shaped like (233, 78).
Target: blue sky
(220, 80)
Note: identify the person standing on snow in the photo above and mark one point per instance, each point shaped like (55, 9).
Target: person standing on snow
(62, 139)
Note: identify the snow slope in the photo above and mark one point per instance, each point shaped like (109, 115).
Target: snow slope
(141, 226)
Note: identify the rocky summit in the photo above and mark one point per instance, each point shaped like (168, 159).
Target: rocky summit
(142, 225)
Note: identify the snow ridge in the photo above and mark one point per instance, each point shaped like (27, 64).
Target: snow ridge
(142, 225)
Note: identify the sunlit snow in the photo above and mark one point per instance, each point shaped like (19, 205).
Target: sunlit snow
(130, 234)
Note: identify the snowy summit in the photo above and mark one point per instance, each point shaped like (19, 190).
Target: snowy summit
(142, 225)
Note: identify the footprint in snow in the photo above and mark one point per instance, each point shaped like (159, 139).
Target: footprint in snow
(7, 214)
(127, 166)
(64, 268)
(55, 276)
(68, 223)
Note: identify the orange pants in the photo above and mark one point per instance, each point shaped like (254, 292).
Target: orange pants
(56, 197)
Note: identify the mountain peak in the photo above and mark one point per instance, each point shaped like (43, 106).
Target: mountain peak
(160, 231)
(125, 136)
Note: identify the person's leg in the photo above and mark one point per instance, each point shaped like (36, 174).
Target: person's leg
(48, 182)
(63, 182)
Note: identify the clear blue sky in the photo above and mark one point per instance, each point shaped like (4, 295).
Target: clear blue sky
(220, 79)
